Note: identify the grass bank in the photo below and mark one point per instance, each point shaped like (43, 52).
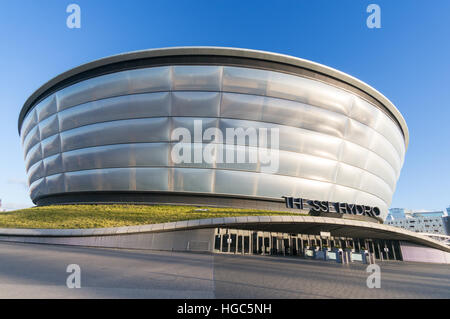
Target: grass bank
(102, 216)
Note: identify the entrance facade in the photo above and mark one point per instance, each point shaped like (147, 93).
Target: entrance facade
(249, 242)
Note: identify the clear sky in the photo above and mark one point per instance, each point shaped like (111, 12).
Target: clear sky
(408, 60)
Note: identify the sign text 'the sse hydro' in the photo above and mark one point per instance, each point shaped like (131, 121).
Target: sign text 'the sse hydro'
(316, 206)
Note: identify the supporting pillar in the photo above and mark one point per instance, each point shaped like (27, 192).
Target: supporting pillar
(380, 252)
(393, 250)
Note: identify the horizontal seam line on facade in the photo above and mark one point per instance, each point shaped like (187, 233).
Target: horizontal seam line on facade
(219, 92)
(225, 118)
(215, 169)
(174, 142)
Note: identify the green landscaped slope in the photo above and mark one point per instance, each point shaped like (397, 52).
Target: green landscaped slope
(101, 216)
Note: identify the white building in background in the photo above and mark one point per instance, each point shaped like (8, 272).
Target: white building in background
(433, 222)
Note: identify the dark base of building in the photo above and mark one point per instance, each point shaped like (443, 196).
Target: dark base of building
(188, 199)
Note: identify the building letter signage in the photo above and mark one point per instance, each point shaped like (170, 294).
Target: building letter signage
(316, 206)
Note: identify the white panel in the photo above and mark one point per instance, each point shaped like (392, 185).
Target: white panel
(275, 186)
(33, 156)
(29, 122)
(191, 155)
(36, 172)
(150, 79)
(354, 154)
(374, 185)
(312, 189)
(121, 155)
(49, 127)
(382, 169)
(53, 165)
(46, 107)
(118, 179)
(242, 80)
(365, 113)
(116, 108)
(197, 77)
(343, 194)
(193, 180)
(55, 184)
(100, 87)
(116, 132)
(350, 176)
(38, 188)
(203, 104)
(32, 139)
(235, 182)
(242, 106)
(51, 146)
(309, 91)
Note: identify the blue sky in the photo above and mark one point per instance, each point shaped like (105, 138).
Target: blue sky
(408, 60)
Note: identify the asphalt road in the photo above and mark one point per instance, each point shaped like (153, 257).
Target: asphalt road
(39, 271)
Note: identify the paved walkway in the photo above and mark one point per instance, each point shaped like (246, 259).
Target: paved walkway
(39, 271)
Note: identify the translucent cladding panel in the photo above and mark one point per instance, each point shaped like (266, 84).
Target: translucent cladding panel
(38, 188)
(116, 108)
(53, 165)
(275, 186)
(100, 87)
(382, 147)
(290, 138)
(29, 122)
(364, 112)
(392, 133)
(197, 77)
(349, 175)
(150, 79)
(51, 146)
(316, 168)
(354, 154)
(116, 132)
(187, 125)
(381, 168)
(344, 194)
(359, 133)
(240, 132)
(33, 156)
(375, 186)
(152, 179)
(311, 143)
(55, 184)
(289, 163)
(193, 155)
(120, 155)
(373, 201)
(305, 116)
(313, 189)
(36, 172)
(117, 179)
(242, 106)
(195, 104)
(32, 139)
(235, 182)
(244, 80)
(193, 180)
(238, 157)
(46, 107)
(49, 126)
(309, 91)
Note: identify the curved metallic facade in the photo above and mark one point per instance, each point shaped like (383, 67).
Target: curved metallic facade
(112, 132)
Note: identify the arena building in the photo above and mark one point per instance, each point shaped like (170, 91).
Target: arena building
(138, 128)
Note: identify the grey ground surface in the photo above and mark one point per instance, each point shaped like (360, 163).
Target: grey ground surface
(39, 271)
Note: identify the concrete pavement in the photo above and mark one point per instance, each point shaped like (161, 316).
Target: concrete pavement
(39, 271)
